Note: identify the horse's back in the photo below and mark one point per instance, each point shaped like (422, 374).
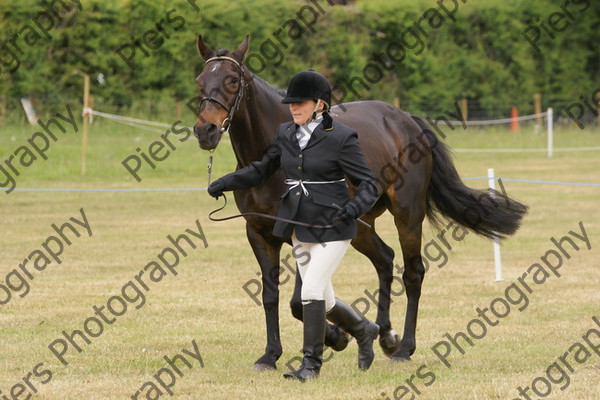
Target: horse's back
(385, 133)
(370, 115)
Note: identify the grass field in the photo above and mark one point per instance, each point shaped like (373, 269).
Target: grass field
(205, 306)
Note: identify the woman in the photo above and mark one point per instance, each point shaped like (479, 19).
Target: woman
(316, 154)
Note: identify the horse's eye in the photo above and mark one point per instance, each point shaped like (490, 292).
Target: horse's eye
(234, 81)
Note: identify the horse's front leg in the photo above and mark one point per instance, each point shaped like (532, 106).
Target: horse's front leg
(267, 252)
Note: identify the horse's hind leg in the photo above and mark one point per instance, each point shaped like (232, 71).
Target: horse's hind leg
(414, 272)
(382, 256)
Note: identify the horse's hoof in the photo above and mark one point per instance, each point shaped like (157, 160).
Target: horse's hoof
(264, 367)
(337, 339)
(389, 343)
(402, 354)
(267, 362)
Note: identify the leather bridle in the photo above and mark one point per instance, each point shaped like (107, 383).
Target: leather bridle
(238, 98)
(230, 110)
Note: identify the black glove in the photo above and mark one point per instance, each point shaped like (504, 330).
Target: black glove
(346, 214)
(217, 188)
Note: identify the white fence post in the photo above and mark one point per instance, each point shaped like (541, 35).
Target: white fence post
(549, 116)
(497, 258)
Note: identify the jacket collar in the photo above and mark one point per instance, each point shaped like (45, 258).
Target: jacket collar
(291, 134)
(318, 134)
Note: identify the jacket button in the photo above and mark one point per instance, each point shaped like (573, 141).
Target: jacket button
(300, 156)
(299, 168)
(297, 193)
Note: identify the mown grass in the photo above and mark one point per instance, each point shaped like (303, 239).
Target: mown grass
(205, 301)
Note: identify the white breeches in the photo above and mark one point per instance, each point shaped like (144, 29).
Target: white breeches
(317, 262)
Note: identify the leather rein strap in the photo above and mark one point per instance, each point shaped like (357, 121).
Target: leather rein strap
(273, 217)
(256, 214)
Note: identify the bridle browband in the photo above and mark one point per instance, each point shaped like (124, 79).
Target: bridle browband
(238, 98)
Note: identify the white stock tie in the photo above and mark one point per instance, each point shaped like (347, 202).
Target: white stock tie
(303, 135)
(304, 132)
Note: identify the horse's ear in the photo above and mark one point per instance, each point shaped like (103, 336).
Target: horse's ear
(240, 53)
(205, 50)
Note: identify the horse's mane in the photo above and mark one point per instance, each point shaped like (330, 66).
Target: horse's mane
(273, 88)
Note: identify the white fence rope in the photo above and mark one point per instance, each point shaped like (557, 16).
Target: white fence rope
(150, 126)
(119, 118)
(135, 122)
(496, 121)
(549, 129)
(89, 111)
(526, 150)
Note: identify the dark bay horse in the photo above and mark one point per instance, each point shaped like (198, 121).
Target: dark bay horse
(414, 172)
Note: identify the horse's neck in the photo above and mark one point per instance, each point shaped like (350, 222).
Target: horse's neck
(254, 129)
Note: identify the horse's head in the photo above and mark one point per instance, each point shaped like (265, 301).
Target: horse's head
(221, 85)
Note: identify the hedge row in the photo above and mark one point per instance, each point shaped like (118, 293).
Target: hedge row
(497, 53)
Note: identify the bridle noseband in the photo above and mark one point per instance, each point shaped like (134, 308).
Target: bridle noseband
(238, 98)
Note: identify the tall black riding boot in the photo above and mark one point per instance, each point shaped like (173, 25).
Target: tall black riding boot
(335, 338)
(363, 330)
(314, 336)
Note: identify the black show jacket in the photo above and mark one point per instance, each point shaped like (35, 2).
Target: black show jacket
(330, 155)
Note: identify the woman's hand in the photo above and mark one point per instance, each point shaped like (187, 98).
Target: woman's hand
(346, 213)
(217, 188)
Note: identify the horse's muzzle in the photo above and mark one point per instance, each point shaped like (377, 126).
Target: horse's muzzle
(208, 135)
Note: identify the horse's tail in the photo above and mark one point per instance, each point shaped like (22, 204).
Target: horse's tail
(481, 211)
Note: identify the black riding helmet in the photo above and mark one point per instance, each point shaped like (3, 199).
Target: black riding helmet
(308, 85)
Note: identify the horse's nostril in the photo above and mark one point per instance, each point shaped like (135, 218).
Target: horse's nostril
(211, 128)
(205, 132)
